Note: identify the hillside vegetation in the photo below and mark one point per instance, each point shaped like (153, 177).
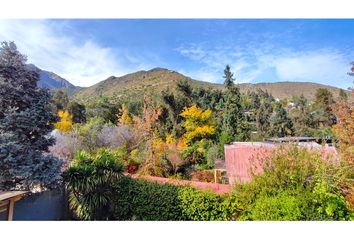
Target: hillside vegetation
(134, 85)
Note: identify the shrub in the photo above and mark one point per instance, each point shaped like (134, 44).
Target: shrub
(112, 136)
(297, 184)
(203, 205)
(90, 137)
(90, 181)
(66, 122)
(203, 176)
(143, 200)
(65, 147)
(283, 206)
(124, 198)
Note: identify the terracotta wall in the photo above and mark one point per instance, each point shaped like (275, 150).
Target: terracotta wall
(243, 157)
(215, 187)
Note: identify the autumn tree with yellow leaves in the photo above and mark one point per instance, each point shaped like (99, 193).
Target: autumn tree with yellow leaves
(65, 123)
(125, 117)
(198, 124)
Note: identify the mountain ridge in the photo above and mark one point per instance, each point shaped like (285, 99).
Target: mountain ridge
(134, 85)
(51, 80)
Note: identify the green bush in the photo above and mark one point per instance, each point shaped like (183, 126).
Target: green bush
(205, 205)
(144, 200)
(283, 206)
(90, 181)
(297, 184)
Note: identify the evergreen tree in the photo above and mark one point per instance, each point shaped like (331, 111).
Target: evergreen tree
(263, 115)
(78, 112)
(301, 115)
(59, 101)
(324, 116)
(234, 124)
(25, 121)
(185, 88)
(228, 75)
(281, 124)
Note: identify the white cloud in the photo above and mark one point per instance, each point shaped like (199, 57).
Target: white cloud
(326, 66)
(319, 66)
(82, 62)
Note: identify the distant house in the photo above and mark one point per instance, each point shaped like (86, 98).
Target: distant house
(240, 157)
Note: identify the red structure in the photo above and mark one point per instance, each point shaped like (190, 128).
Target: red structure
(243, 157)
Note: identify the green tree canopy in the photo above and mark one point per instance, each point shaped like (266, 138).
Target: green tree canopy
(25, 122)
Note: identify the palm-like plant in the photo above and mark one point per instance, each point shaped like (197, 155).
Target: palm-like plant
(90, 181)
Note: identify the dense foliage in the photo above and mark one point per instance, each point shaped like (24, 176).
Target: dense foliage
(90, 181)
(25, 122)
(297, 184)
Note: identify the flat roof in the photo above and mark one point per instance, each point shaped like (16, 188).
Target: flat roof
(292, 139)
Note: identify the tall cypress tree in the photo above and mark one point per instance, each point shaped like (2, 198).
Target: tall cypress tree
(25, 121)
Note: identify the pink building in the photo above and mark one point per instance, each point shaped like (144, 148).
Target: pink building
(242, 157)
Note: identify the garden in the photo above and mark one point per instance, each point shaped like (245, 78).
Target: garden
(102, 150)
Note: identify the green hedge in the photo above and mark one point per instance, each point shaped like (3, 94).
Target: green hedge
(144, 200)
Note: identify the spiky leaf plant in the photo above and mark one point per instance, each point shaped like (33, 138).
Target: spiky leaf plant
(90, 181)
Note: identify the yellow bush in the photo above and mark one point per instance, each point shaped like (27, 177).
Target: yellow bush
(125, 118)
(66, 121)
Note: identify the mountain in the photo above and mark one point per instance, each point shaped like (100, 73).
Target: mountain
(51, 80)
(134, 85)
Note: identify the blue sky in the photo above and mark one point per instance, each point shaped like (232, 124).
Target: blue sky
(258, 50)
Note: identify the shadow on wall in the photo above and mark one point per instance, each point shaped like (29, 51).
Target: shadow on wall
(44, 206)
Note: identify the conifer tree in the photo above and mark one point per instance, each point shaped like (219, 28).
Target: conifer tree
(228, 75)
(25, 122)
(281, 124)
(234, 123)
(78, 112)
(263, 115)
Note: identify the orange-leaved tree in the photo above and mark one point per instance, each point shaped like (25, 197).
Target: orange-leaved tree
(145, 127)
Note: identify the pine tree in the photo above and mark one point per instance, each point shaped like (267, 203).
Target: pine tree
(25, 121)
(234, 124)
(281, 124)
(228, 75)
